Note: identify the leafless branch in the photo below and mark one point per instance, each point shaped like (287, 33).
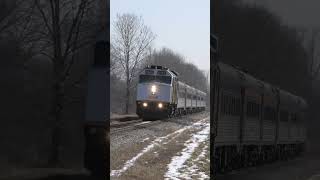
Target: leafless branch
(44, 17)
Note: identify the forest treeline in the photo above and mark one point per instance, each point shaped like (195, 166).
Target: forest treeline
(254, 39)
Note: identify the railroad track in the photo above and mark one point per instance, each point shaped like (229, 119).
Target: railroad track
(138, 124)
(134, 125)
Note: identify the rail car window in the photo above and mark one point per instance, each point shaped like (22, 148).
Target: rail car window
(181, 94)
(223, 105)
(294, 117)
(269, 113)
(237, 106)
(301, 117)
(230, 105)
(284, 116)
(253, 109)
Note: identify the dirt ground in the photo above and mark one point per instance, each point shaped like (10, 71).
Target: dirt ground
(176, 148)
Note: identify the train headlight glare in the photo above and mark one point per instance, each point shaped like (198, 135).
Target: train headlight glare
(160, 105)
(153, 88)
(145, 104)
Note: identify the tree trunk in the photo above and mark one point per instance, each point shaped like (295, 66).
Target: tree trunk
(57, 106)
(58, 87)
(127, 93)
(57, 109)
(127, 97)
(128, 83)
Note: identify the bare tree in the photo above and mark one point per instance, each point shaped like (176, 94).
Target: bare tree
(10, 14)
(131, 42)
(313, 51)
(67, 30)
(309, 39)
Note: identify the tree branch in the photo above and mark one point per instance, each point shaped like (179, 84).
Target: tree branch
(44, 17)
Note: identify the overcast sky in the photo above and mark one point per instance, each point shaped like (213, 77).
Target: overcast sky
(300, 13)
(181, 25)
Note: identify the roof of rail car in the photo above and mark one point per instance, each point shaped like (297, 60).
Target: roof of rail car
(191, 88)
(234, 77)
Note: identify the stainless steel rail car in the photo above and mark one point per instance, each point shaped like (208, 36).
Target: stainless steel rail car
(256, 122)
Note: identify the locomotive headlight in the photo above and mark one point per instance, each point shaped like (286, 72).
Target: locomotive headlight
(145, 104)
(153, 89)
(160, 105)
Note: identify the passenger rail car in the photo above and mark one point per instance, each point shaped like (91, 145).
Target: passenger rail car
(160, 94)
(255, 122)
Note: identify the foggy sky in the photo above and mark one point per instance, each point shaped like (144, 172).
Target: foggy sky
(181, 25)
(298, 13)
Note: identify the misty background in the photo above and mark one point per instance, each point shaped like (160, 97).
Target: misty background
(278, 42)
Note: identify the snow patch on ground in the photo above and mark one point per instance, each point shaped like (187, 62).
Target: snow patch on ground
(153, 144)
(178, 162)
(194, 169)
(146, 139)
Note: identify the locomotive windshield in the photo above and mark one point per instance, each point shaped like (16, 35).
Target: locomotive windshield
(163, 79)
(151, 78)
(146, 78)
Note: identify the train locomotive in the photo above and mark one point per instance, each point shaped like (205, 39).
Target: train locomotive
(160, 94)
(254, 122)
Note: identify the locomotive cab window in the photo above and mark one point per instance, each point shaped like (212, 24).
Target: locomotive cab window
(161, 72)
(146, 78)
(149, 72)
(151, 78)
(163, 79)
